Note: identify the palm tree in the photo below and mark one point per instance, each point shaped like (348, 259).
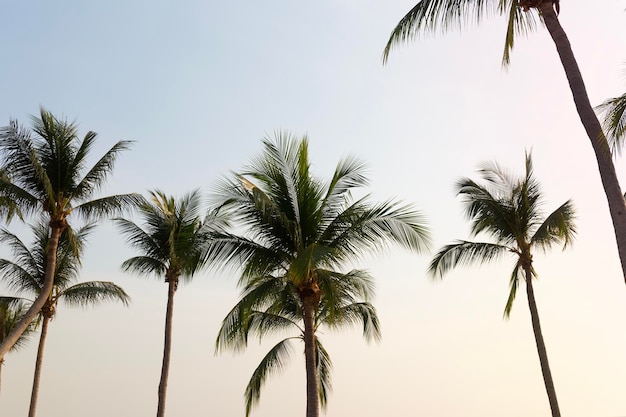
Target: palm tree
(46, 173)
(26, 275)
(173, 242)
(270, 305)
(299, 229)
(432, 15)
(11, 311)
(507, 209)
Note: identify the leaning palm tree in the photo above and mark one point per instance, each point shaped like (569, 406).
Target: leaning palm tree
(26, 275)
(299, 229)
(433, 15)
(12, 310)
(173, 242)
(270, 305)
(508, 210)
(44, 171)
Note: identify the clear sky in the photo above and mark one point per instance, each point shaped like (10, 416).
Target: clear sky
(197, 84)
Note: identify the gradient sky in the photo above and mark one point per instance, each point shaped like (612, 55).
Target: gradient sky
(197, 84)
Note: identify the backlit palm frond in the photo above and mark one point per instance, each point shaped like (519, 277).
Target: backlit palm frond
(349, 174)
(12, 309)
(97, 175)
(464, 253)
(274, 362)
(144, 265)
(106, 207)
(513, 284)
(86, 294)
(140, 239)
(614, 122)
(324, 372)
(557, 228)
(362, 313)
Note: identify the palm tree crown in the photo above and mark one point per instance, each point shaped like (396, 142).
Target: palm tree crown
(173, 242)
(298, 233)
(507, 209)
(45, 170)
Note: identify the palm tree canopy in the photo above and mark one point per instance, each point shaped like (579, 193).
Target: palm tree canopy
(444, 15)
(508, 210)
(296, 223)
(45, 168)
(174, 237)
(25, 274)
(11, 311)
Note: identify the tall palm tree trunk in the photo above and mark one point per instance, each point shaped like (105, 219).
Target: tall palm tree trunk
(167, 347)
(541, 347)
(46, 289)
(37, 377)
(617, 206)
(309, 304)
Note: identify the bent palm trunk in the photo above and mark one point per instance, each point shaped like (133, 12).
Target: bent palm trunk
(541, 347)
(610, 183)
(312, 395)
(167, 347)
(35, 392)
(35, 308)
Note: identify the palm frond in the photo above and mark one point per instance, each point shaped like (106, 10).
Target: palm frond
(86, 294)
(106, 207)
(558, 227)
(273, 362)
(324, 368)
(614, 122)
(463, 252)
(513, 284)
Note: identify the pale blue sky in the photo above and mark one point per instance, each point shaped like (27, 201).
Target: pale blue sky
(197, 84)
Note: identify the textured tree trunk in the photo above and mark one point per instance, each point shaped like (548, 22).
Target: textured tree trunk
(35, 392)
(312, 395)
(167, 347)
(541, 347)
(617, 206)
(35, 308)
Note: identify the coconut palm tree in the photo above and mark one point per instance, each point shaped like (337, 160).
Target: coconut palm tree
(270, 305)
(172, 241)
(299, 229)
(11, 311)
(434, 15)
(45, 171)
(507, 210)
(26, 275)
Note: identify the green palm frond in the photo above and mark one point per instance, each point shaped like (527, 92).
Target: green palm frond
(273, 362)
(444, 15)
(12, 309)
(86, 294)
(324, 372)
(614, 121)
(557, 228)
(144, 265)
(359, 313)
(108, 206)
(96, 176)
(513, 284)
(463, 252)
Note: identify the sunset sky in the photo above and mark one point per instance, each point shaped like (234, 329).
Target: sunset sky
(198, 84)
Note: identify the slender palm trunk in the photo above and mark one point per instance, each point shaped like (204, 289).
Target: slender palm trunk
(541, 347)
(1, 364)
(617, 206)
(46, 289)
(312, 395)
(167, 348)
(35, 392)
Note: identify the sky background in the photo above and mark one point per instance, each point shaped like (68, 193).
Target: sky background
(198, 84)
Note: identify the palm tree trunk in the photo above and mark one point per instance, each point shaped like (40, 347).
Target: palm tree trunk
(617, 206)
(35, 392)
(167, 348)
(312, 395)
(46, 289)
(541, 347)
(1, 364)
